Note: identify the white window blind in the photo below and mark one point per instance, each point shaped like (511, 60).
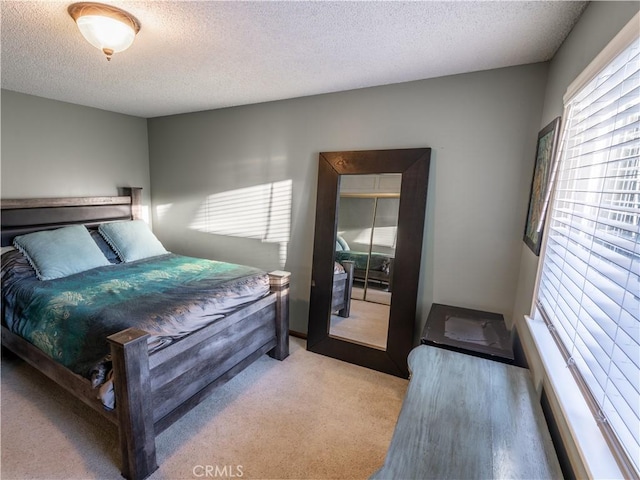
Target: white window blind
(589, 284)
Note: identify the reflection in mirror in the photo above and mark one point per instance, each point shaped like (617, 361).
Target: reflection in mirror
(365, 251)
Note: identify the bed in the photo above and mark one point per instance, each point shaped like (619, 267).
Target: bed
(155, 377)
(341, 290)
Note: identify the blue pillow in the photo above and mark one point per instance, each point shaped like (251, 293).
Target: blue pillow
(132, 240)
(60, 253)
(341, 244)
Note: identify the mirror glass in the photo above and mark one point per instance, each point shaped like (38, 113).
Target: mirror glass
(365, 250)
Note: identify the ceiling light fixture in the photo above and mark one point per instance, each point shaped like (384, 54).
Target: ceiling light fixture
(107, 28)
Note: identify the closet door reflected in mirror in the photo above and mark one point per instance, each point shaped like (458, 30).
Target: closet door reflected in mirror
(367, 234)
(370, 215)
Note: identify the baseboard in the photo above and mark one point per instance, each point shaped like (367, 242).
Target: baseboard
(302, 335)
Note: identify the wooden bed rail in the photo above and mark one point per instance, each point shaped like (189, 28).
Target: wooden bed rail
(78, 386)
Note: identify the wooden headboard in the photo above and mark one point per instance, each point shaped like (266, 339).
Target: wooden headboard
(26, 215)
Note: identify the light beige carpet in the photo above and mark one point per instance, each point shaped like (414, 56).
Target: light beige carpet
(367, 323)
(307, 417)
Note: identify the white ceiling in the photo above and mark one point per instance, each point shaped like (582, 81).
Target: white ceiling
(192, 56)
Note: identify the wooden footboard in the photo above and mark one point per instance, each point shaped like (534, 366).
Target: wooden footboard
(178, 377)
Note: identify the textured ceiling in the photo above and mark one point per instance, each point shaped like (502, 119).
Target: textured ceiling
(192, 56)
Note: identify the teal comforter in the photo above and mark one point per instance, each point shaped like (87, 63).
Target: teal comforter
(168, 296)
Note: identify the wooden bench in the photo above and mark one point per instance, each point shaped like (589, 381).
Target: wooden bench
(466, 417)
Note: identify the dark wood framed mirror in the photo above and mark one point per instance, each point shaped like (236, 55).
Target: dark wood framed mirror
(413, 167)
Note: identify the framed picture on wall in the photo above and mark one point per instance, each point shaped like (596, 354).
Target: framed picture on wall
(541, 185)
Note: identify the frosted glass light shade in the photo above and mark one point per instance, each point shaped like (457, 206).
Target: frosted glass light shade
(106, 33)
(105, 27)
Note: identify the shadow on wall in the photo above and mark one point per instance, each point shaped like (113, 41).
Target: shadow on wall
(260, 212)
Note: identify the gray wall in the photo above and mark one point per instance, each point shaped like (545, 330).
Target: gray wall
(52, 149)
(482, 128)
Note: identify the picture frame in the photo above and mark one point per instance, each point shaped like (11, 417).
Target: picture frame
(546, 147)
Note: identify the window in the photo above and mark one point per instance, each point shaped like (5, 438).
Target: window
(589, 281)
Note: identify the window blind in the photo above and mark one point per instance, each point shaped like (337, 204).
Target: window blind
(589, 283)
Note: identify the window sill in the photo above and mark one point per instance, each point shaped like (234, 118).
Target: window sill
(594, 452)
